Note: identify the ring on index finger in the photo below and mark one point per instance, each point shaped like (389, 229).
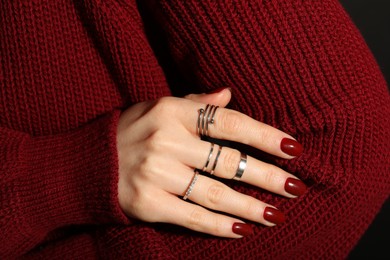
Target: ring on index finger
(206, 116)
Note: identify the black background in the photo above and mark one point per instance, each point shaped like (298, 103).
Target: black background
(372, 17)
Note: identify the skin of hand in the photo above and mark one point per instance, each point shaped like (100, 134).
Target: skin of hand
(158, 149)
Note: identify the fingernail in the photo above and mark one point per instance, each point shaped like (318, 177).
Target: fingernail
(242, 229)
(294, 186)
(219, 90)
(273, 215)
(291, 147)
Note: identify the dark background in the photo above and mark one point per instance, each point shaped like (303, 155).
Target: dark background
(372, 17)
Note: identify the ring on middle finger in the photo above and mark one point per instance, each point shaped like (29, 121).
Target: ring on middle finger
(241, 167)
(209, 159)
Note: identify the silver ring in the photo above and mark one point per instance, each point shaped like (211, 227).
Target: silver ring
(204, 119)
(201, 111)
(241, 167)
(206, 116)
(191, 186)
(216, 160)
(209, 157)
(210, 118)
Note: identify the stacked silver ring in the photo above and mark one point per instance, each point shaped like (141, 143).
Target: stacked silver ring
(204, 169)
(206, 117)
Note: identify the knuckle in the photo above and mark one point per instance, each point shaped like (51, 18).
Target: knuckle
(196, 218)
(136, 202)
(218, 226)
(164, 107)
(146, 166)
(143, 206)
(231, 161)
(252, 210)
(231, 122)
(269, 176)
(215, 194)
(155, 140)
(152, 170)
(263, 136)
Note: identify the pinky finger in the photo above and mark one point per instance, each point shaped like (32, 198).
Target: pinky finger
(199, 219)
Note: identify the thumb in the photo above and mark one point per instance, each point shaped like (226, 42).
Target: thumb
(219, 97)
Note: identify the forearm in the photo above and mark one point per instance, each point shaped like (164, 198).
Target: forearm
(55, 181)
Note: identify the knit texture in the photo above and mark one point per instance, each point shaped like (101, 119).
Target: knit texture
(68, 69)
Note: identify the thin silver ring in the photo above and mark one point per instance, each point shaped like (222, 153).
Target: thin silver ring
(210, 118)
(201, 111)
(204, 119)
(206, 116)
(216, 160)
(192, 184)
(209, 157)
(211, 121)
(241, 167)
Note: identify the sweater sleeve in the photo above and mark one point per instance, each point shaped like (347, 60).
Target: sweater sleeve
(56, 181)
(303, 67)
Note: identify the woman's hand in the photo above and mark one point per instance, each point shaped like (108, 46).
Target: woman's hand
(159, 148)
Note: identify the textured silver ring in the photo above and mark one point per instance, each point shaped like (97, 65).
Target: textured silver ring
(209, 157)
(216, 160)
(241, 167)
(192, 184)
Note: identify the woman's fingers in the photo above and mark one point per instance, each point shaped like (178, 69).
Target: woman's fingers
(215, 195)
(158, 146)
(224, 162)
(235, 126)
(200, 219)
(220, 97)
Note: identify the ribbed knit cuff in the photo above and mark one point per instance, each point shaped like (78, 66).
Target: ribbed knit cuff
(73, 177)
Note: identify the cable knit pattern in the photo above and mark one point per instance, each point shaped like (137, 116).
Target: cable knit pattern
(68, 68)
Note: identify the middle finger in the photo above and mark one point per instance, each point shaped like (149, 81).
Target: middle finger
(224, 162)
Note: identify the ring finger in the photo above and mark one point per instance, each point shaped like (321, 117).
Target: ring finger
(217, 196)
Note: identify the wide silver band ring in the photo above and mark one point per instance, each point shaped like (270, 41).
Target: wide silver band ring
(241, 167)
(191, 186)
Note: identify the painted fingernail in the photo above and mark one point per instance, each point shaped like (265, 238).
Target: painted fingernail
(294, 187)
(273, 215)
(219, 90)
(242, 229)
(291, 147)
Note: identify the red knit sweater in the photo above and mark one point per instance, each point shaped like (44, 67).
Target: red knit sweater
(69, 67)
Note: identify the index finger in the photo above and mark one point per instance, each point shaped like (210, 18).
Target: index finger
(235, 126)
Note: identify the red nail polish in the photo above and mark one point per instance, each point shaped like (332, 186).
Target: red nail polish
(219, 90)
(242, 229)
(273, 215)
(291, 147)
(294, 186)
